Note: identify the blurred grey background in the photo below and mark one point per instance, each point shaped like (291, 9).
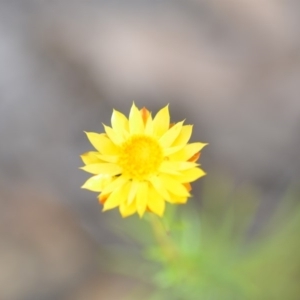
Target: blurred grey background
(231, 67)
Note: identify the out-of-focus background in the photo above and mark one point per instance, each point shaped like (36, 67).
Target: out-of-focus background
(231, 67)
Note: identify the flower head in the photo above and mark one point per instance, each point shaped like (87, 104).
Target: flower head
(142, 162)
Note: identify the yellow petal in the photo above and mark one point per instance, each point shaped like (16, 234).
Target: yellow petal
(184, 135)
(190, 175)
(188, 151)
(156, 203)
(171, 150)
(117, 197)
(97, 183)
(116, 137)
(168, 167)
(179, 165)
(103, 168)
(136, 124)
(174, 186)
(102, 143)
(91, 157)
(133, 191)
(161, 122)
(174, 199)
(149, 126)
(108, 158)
(159, 187)
(119, 122)
(142, 198)
(127, 209)
(115, 183)
(169, 137)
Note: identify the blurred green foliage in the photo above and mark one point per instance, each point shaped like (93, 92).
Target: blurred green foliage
(207, 251)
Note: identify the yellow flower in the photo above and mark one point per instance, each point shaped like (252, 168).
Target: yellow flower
(141, 162)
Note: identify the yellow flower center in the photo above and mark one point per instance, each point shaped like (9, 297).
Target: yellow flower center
(140, 157)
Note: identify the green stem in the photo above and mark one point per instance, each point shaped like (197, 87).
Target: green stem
(163, 237)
